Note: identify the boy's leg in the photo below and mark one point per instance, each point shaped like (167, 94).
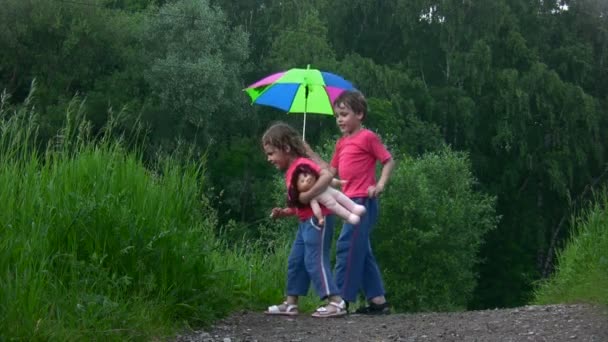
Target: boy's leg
(372, 281)
(317, 241)
(298, 279)
(351, 251)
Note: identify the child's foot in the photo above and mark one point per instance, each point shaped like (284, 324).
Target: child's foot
(353, 219)
(375, 309)
(284, 309)
(359, 210)
(331, 310)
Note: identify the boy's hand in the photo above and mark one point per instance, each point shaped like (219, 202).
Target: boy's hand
(338, 183)
(375, 190)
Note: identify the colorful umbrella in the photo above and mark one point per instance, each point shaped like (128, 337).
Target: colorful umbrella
(299, 91)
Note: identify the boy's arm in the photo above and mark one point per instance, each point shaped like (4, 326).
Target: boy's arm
(387, 169)
(325, 177)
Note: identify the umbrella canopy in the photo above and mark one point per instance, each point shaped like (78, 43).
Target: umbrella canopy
(299, 91)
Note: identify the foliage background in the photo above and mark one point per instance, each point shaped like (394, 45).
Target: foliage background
(494, 110)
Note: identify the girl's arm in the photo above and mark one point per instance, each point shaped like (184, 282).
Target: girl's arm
(336, 183)
(282, 212)
(315, 157)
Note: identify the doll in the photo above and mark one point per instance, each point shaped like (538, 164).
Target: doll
(303, 178)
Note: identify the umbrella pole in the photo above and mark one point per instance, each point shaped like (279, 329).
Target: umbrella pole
(304, 128)
(305, 109)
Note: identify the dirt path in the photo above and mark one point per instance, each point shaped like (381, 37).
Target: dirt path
(551, 323)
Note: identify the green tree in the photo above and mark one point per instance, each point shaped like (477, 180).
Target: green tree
(68, 48)
(306, 43)
(545, 148)
(192, 68)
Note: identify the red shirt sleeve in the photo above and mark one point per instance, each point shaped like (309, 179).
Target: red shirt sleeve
(378, 149)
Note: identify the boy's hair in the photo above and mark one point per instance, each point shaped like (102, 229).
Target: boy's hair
(293, 195)
(354, 100)
(281, 135)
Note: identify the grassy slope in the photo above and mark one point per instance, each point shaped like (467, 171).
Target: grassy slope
(93, 245)
(582, 272)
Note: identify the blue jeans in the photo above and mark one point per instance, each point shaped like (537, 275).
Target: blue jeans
(309, 259)
(356, 267)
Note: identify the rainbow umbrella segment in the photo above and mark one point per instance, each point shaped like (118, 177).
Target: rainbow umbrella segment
(299, 91)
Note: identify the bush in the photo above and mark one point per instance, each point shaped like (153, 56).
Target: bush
(432, 223)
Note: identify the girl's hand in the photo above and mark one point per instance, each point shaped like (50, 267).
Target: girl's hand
(276, 213)
(375, 190)
(281, 212)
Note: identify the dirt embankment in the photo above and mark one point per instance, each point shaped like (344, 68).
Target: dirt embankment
(552, 323)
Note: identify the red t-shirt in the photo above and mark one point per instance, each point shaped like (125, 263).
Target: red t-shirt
(355, 159)
(305, 212)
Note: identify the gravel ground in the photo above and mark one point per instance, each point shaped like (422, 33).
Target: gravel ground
(552, 323)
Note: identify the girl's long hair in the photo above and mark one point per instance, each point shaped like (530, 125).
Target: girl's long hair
(293, 194)
(282, 135)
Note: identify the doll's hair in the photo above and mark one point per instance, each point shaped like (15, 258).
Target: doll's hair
(293, 194)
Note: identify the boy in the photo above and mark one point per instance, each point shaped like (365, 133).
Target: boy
(354, 160)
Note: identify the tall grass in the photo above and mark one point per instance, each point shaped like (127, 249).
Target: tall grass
(95, 246)
(582, 270)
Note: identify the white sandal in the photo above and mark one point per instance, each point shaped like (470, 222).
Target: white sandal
(340, 310)
(284, 309)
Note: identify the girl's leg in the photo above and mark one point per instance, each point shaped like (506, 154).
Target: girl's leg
(317, 241)
(298, 279)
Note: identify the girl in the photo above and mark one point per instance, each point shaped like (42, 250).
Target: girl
(309, 257)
